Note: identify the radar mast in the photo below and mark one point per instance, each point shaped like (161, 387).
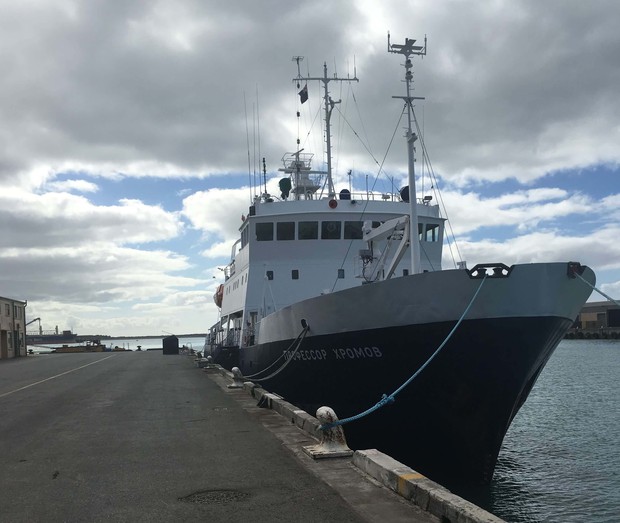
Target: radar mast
(328, 107)
(407, 49)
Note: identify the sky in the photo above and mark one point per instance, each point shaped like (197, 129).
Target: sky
(131, 137)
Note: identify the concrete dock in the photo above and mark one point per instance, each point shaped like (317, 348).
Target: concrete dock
(141, 436)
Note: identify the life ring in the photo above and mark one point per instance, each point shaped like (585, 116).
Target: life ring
(219, 296)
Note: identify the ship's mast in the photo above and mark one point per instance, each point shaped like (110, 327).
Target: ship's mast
(407, 49)
(329, 107)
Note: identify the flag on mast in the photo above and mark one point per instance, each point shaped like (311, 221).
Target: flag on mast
(303, 94)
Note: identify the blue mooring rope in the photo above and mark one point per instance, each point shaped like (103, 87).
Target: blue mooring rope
(385, 399)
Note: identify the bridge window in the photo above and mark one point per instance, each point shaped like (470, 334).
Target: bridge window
(330, 230)
(308, 231)
(341, 274)
(285, 230)
(244, 236)
(270, 275)
(352, 230)
(432, 233)
(264, 232)
(295, 274)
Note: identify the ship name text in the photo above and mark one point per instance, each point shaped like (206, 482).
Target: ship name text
(350, 353)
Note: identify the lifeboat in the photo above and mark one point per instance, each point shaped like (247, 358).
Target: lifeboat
(219, 295)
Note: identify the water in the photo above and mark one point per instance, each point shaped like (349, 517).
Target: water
(195, 343)
(154, 343)
(560, 461)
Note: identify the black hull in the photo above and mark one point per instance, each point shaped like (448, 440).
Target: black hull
(449, 423)
(227, 357)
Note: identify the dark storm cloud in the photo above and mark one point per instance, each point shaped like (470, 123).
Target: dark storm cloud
(116, 84)
(101, 82)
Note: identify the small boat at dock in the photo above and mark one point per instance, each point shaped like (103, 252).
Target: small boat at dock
(89, 346)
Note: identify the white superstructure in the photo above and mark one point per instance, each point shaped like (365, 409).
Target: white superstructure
(293, 250)
(301, 244)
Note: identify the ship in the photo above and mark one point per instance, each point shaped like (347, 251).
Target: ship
(338, 298)
(52, 337)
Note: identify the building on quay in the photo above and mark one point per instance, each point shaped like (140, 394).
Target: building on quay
(597, 320)
(12, 328)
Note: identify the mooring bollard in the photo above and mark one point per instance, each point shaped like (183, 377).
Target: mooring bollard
(333, 443)
(237, 379)
(201, 363)
(209, 366)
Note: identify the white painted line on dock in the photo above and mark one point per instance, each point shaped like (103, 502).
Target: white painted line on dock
(54, 377)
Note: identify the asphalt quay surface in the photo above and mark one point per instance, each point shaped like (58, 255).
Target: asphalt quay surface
(142, 436)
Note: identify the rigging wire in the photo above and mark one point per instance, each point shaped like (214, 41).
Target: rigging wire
(316, 116)
(437, 192)
(247, 137)
(367, 147)
(378, 172)
(258, 128)
(254, 140)
(338, 133)
(596, 289)
(341, 127)
(309, 133)
(426, 162)
(365, 144)
(359, 115)
(421, 134)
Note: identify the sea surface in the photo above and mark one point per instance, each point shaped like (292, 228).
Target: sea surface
(196, 343)
(560, 461)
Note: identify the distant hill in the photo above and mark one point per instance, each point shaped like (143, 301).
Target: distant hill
(197, 335)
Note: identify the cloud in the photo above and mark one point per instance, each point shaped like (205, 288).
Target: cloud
(611, 289)
(96, 274)
(597, 250)
(522, 210)
(55, 219)
(140, 91)
(148, 84)
(73, 185)
(58, 247)
(217, 212)
(102, 291)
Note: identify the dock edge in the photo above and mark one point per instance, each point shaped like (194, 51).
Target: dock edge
(403, 480)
